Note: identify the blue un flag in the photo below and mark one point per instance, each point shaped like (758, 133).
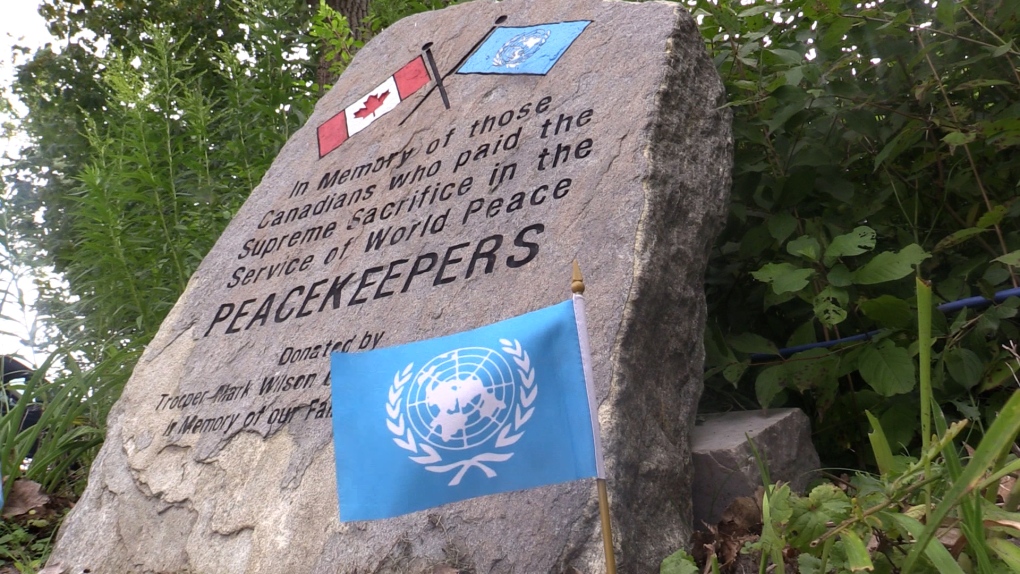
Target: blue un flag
(504, 407)
(530, 50)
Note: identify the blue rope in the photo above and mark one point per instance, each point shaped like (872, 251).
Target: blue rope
(952, 306)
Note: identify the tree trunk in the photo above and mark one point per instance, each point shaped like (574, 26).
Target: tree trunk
(355, 11)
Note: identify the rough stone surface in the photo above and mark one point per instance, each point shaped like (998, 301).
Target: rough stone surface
(648, 178)
(724, 463)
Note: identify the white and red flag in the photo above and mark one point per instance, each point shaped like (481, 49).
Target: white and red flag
(372, 105)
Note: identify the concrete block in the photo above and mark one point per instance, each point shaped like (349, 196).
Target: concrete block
(725, 466)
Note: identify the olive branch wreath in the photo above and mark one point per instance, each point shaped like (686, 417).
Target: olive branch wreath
(510, 434)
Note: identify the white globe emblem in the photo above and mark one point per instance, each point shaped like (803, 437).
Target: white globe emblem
(462, 398)
(469, 398)
(518, 49)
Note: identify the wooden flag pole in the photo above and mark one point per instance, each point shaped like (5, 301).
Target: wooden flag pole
(607, 528)
(577, 286)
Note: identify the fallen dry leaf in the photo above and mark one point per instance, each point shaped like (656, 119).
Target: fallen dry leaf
(55, 568)
(740, 523)
(26, 495)
(1006, 486)
(950, 537)
(742, 516)
(990, 523)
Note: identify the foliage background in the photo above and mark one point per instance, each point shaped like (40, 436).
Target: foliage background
(874, 142)
(147, 129)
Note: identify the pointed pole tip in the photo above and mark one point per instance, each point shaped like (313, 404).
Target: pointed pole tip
(576, 281)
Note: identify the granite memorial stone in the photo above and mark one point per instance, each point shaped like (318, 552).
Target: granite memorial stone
(433, 191)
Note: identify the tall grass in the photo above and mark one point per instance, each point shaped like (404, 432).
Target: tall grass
(184, 135)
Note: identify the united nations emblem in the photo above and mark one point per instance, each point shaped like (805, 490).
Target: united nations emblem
(461, 402)
(518, 49)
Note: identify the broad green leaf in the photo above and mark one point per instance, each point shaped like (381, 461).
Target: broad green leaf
(880, 446)
(889, 266)
(755, 241)
(803, 335)
(999, 375)
(780, 503)
(769, 384)
(968, 409)
(946, 13)
(859, 241)
(793, 77)
(783, 115)
(781, 226)
(900, 424)
(756, 10)
(812, 369)
(751, 343)
(993, 217)
(887, 311)
(747, 85)
(1007, 552)
(805, 246)
(1012, 259)
(808, 564)
(983, 83)
(936, 553)
(838, 188)
(830, 306)
(907, 137)
(836, 32)
(717, 352)
(955, 138)
(734, 371)
(839, 276)
(960, 321)
(784, 277)
(887, 368)
(856, 553)
(957, 237)
(679, 562)
(1003, 132)
(995, 275)
(811, 514)
(771, 299)
(999, 436)
(964, 366)
(788, 56)
(1003, 49)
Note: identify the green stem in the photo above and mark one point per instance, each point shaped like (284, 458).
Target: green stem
(924, 360)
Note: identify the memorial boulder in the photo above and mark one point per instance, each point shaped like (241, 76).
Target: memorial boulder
(434, 190)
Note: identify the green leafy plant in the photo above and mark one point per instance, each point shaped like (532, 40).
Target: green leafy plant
(132, 172)
(336, 38)
(894, 521)
(885, 523)
(22, 548)
(338, 41)
(871, 140)
(679, 562)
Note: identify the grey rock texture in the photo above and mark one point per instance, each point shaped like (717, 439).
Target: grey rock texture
(724, 463)
(219, 456)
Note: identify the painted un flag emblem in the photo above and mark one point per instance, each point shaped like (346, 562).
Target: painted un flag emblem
(460, 402)
(462, 416)
(520, 48)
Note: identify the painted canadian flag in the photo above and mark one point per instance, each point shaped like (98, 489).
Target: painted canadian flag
(372, 105)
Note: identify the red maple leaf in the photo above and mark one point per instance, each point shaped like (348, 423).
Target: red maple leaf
(372, 104)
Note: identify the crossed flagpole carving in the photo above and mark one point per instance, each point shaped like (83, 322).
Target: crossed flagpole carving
(509, 435)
